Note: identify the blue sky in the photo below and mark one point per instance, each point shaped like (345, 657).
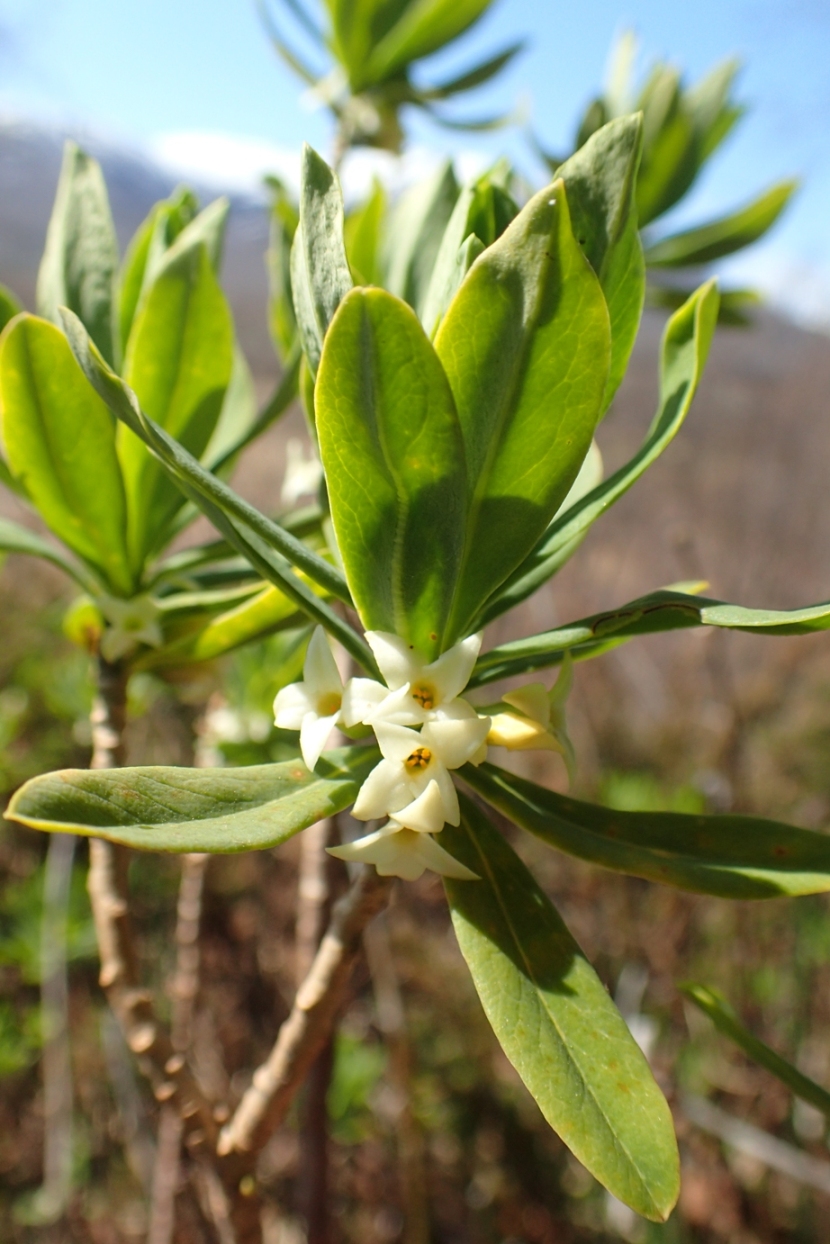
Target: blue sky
(196, 80)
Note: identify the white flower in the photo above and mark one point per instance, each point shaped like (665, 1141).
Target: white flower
(416, 691)
(312, 706)
(397, 851)
(538, 718)
(131, 622)
(302, 474)
(413, 762)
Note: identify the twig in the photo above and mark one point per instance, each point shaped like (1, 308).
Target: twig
(756, 1143)
(313, 913)
(184, 988)
(316, 1006)
(54, 994)
(107, 884)
(391, 1018)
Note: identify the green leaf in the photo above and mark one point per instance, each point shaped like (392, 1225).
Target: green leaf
(179, 365)
(59, 440)
(10, 306)
(253, 618)
(17, 539)
(414, 231)
(80, 261)
(362, 232)
(664, 610)
(601, 180)
(684, 351)
(735, 306)
(394, 460)
(730, 856)
(726, 1021)
(237, 416)
(152, 238)
(474, 77)
(526, 347)
(320, 274)
(670, 159)
(423, 27)
(712, 112)
(283, 226)
(482, 212)
(269, 548)
(724, 236)
(557, 1024)
(219, 458)
(168, 809)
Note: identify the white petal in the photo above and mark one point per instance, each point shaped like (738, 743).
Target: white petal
(291, 706)
(451, 672)
(361, 696)
(379, 789)
(454, 742)
(479, 757)
(440, 861)
(449, 795)
(426, 813)
(397, 742)
(399, 708)
(391, 854)
(398, 661)
(532, 700)
(454, 710)
(320, 670)
(314, 734)
(397, 852)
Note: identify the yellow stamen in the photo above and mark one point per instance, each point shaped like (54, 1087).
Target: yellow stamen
(424, 695)
(419, 759)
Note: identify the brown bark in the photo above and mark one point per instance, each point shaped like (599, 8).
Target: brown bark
(319, 1000)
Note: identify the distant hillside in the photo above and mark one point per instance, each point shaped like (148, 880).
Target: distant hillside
(30, 159)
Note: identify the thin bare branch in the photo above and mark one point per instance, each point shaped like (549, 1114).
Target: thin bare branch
(184, 989)
(319, 1000)
(56, 1063)
(391, 1017)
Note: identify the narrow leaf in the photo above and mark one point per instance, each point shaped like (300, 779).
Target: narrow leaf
(59, 440)
(684, 351)
(197, 639)
(10, 306)
(17, 539)
(526, 347)
(424, 27)
(476, 76)
(179, 364)
(664, 610)
(80, 261)
(154, 236)
(724, 236)
(217, 810)
(726, 1021)
(283, 226)
(730, 856)
(557, 1024)
(601, 179)
(483, 211)
(394, 461)
(320, 274)
(414, 230)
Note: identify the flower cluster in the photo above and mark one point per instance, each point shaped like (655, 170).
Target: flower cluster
(424, 730)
